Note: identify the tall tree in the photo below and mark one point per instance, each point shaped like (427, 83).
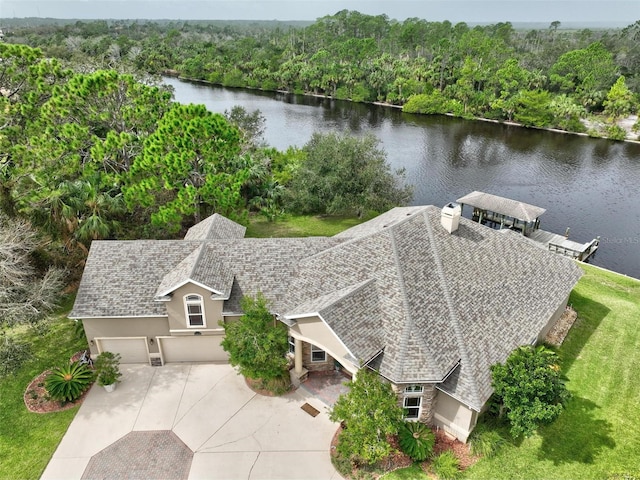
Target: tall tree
(530, 387)
(27, 81)
(343, 174)
(25, 294)
(189, 167)
(257, 343)
(588, 73)
(619, 101)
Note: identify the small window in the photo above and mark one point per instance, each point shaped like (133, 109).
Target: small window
(412, 407)
(195, 311)
(412, 401)
(292, 344)
(317, 354)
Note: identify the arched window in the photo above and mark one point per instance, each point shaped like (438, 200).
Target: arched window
(194, 308)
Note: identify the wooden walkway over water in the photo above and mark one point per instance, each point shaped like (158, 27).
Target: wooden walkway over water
(561, 244)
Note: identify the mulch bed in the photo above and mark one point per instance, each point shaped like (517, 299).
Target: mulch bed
(560, 329)
(36, 397)
(400, 460)
(460, 450)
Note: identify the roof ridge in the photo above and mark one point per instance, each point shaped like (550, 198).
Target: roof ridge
(408, 323)
(453, 313)
(197, 259)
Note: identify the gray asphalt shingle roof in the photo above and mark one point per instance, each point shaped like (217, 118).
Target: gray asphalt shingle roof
(120, 278)
(442, 299)
(430, 301)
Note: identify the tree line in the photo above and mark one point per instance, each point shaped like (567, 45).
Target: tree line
(576, 80)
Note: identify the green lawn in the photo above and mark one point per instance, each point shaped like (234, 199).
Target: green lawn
(27, 440)
(598, 435)
(301, 226)
(414, 472)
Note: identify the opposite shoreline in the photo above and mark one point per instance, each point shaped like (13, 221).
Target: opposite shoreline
(399, 107)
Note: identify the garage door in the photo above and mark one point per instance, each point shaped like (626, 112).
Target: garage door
(132, 349)
(192, 348)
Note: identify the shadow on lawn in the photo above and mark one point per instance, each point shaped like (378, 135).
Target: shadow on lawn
(590, 315)
(577, 435)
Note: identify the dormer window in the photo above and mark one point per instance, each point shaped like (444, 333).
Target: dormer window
(194, 308)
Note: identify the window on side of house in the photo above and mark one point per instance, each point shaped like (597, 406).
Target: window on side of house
(317, 354)
(292, 344)
(194, 307)
(412, 402)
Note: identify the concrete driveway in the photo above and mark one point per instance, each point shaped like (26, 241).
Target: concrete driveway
(232, 432)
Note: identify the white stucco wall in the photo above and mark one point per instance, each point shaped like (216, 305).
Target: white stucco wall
(454, 417)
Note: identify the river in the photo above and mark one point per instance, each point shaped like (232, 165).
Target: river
(589, 185)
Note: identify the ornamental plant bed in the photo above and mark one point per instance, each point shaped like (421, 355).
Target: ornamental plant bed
(256, 386)
(36, 397)
(400, 460)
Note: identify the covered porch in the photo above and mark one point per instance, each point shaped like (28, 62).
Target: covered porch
(316, 369)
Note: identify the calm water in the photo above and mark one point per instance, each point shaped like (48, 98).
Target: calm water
(589, 185)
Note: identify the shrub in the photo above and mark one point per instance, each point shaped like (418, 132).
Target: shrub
(531, 387)
(615, 132)
(12, 355)
(279, 385)
(446, 465)
(68, 382)
(485, 442)
(342, 464)
(78, 330)
(370, 413)
(429, 104)
(107, 368)
(416, 440)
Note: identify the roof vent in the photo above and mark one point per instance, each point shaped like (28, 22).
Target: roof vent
(450, 217)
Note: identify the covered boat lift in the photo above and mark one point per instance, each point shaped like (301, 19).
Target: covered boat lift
(500, 212)
(503, 212)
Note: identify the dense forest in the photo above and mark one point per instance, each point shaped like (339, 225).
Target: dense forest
(92, 144)
(577, 80)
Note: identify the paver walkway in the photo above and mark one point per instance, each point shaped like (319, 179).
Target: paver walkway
(142, 455)
(232, 432)
(326, 387)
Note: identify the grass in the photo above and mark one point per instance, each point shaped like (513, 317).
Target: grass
(301, 226)
(28, 440)
(597, 436)
(414, 472)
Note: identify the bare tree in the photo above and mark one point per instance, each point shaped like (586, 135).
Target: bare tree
(25, 295)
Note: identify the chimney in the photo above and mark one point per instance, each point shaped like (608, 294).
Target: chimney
(450, 217)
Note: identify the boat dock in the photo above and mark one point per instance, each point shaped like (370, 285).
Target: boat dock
(561, 244)
(499, 213)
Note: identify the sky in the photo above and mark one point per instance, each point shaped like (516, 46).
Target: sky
(471, 11)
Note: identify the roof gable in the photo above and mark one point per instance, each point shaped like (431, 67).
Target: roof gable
(121, 277)
(215, 227)
(198, 268)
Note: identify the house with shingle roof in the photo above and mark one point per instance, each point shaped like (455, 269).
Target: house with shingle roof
(426, 298)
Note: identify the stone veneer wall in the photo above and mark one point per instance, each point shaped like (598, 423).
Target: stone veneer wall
(325, 366)
(429, 396)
